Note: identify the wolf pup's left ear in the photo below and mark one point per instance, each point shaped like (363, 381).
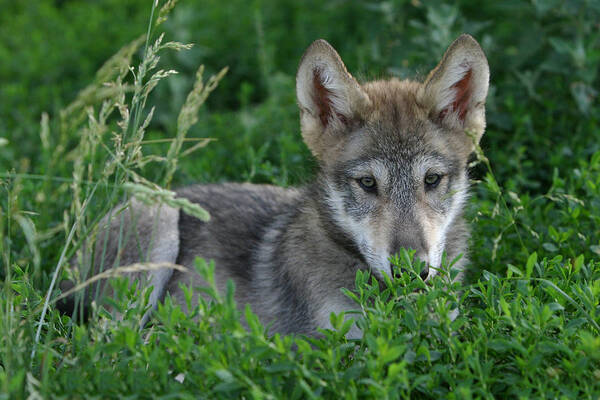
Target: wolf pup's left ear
(330, 99)
(455, 91)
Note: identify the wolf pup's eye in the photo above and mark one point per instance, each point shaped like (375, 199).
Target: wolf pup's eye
(432, 180)
(367, 183)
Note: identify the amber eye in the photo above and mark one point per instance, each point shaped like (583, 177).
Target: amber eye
(367, 183)
(432, 180)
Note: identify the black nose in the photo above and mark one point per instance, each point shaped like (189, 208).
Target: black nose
(423, 274)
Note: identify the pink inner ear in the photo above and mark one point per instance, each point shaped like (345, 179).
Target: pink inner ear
(321, 97)
(462, 96)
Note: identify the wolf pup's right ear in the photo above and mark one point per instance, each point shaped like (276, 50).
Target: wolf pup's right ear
(330, 99)
(455, 91)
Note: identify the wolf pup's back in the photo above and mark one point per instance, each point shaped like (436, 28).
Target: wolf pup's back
(392, 159)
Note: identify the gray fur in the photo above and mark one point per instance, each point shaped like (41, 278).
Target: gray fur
(291, 251)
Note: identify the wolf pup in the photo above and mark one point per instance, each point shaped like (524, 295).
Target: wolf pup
(392, 173)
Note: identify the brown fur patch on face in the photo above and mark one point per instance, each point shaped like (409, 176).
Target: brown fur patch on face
(394, 104)
(429, 223)
(396, 114)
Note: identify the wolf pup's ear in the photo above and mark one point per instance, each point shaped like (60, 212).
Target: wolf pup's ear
(455, 91)
(329, 98)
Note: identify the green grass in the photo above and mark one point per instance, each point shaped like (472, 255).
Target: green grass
(529, 312)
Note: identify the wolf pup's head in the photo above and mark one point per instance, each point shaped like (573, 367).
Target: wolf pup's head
(393, 154)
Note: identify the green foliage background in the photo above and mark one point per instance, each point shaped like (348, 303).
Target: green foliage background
(539, 193)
